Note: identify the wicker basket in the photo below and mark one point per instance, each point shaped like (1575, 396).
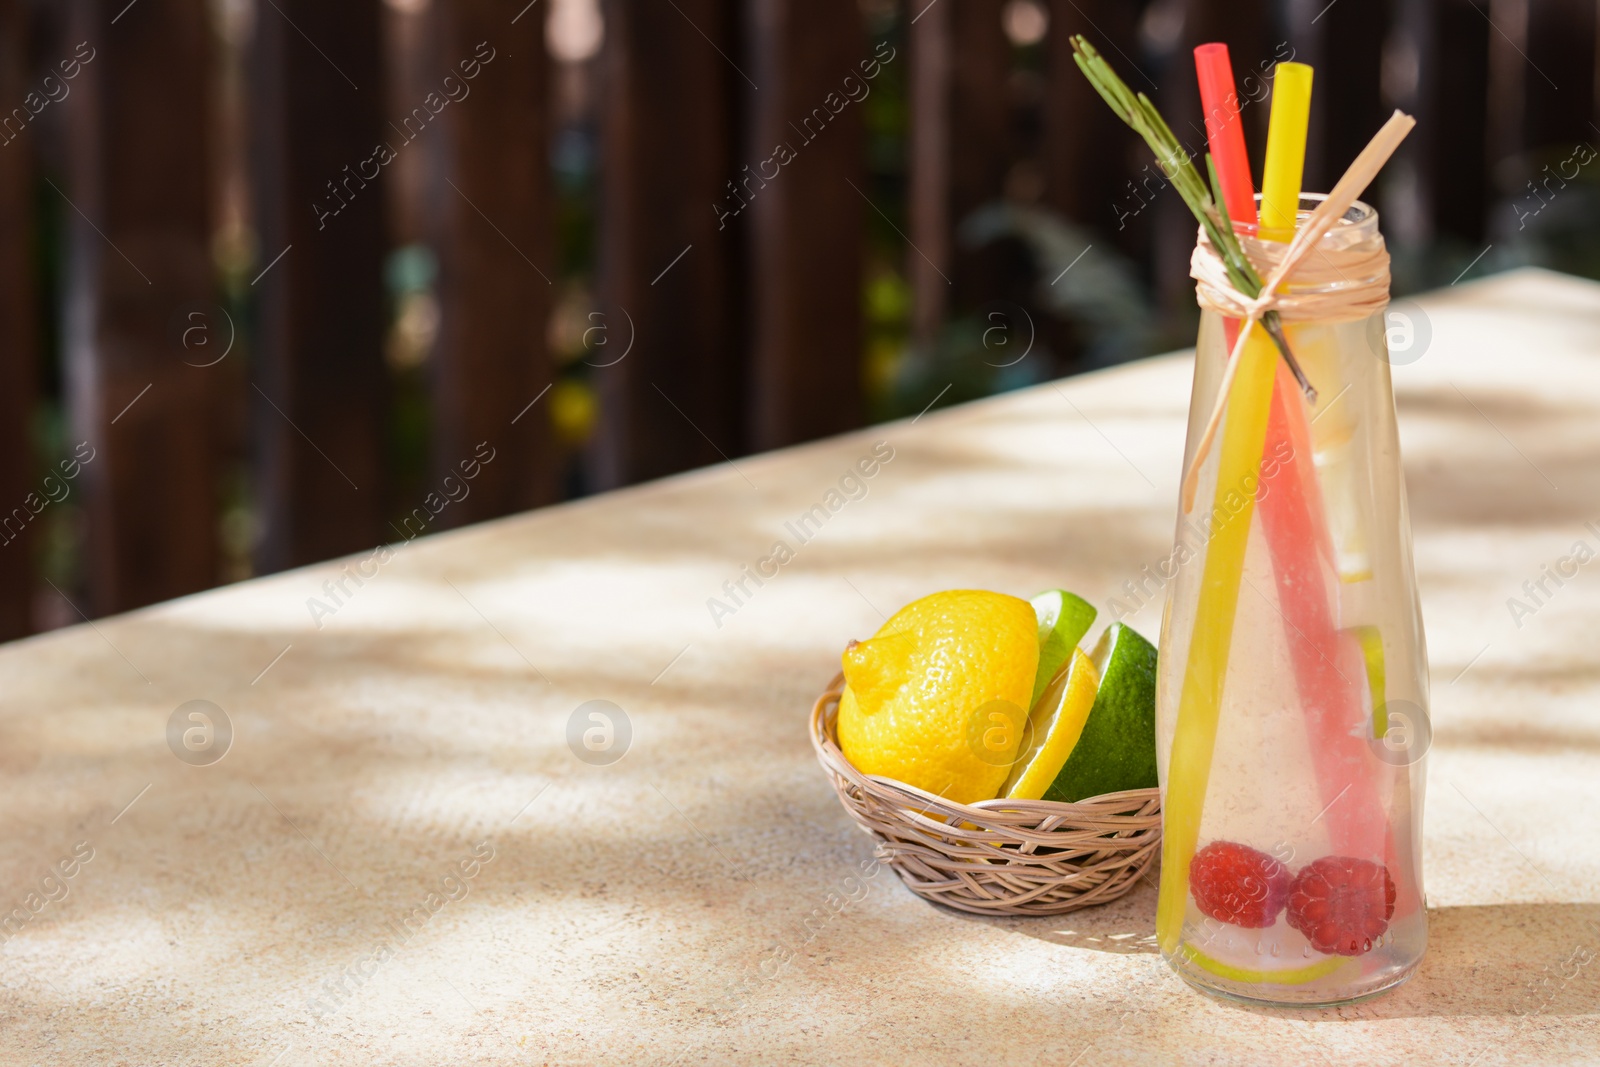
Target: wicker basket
(996, 857)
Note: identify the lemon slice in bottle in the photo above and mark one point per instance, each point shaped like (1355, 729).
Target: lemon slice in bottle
(1309, 972)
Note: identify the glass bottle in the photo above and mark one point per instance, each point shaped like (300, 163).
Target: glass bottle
(1293, 689)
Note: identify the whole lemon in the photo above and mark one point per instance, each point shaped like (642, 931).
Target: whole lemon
(939, 696)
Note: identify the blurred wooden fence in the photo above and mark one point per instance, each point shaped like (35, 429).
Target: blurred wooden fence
(732, 215)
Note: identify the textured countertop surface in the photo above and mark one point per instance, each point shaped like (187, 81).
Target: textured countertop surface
(401, 859)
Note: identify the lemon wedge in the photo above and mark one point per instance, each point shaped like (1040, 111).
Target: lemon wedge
(1057, 722)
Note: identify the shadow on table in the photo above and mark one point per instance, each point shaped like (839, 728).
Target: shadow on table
(1126, 926)
(1499, 960)
(1523, 737)
(1487, 960)
(1526, 465)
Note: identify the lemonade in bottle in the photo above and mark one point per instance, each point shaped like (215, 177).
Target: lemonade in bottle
(1292, 870)
(1292, 687)
(1293, 677)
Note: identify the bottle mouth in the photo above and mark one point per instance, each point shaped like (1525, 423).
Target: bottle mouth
(1345, 275)
(1358, 224)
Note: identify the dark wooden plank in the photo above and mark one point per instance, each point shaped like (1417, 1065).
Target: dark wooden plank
(1558, 75)
(412, 62)
(1245, 27)
(138, 253)
(667, 273)
(805, 220)
(929, 261)
(1090, 157)
(1449, 148)
(963, 142)
(494, 246)
(18, 336)
(321, 145)
(1344, 43)
(985, 141)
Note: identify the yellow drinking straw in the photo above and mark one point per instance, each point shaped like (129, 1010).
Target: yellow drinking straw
(1286, 151)
(1238, 469)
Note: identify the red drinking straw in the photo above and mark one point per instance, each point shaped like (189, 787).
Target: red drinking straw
(1224, 131)
(1327, 665)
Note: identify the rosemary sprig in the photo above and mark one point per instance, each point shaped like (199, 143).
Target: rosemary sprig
(1138, 112)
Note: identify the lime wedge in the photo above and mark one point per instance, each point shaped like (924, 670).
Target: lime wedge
(1057, 720)
(1117, 748)
(1063, 620)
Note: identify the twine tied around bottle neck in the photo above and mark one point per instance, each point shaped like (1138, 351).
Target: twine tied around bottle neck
(1326, 284)
(1234, 304)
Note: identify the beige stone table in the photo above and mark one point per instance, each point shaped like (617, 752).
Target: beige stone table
(696, 901)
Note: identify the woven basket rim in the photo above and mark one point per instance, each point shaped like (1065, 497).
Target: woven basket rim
(995, 857)
(1090, 810)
